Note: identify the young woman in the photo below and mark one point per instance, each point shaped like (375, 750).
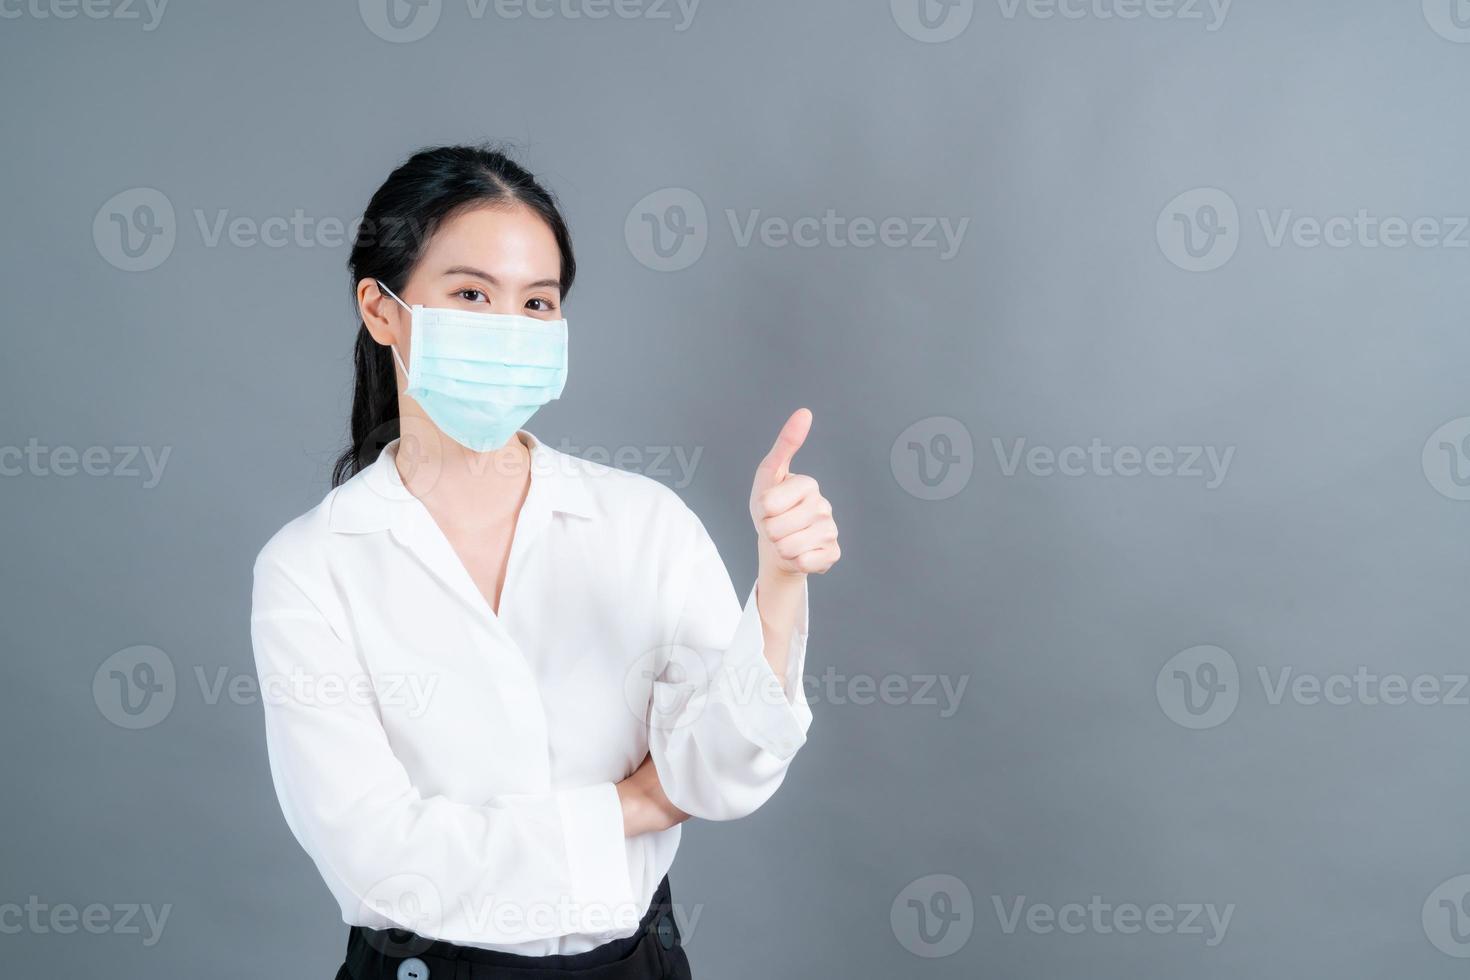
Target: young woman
(499, 677)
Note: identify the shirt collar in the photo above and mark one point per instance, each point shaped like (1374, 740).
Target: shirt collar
(376, 499)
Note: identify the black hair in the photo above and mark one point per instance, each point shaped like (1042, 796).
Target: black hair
(432, 186)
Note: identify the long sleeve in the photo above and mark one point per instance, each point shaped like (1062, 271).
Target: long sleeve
(722, 729)
(519, 868)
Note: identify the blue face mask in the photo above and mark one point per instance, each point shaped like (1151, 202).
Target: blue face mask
(481, 376)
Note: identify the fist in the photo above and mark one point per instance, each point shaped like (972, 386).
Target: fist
(793, 522)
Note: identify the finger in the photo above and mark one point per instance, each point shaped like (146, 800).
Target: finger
(812, 538)
(786, 495)
(777, 464)
(812, 510)
(819, 561)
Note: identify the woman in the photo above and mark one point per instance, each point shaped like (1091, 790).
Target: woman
(501, 677)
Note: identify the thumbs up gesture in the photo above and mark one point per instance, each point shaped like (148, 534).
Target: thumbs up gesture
(794, 528)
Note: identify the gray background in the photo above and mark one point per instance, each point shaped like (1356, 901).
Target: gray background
(1333, 830)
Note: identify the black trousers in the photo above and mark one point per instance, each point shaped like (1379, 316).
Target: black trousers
(654, 952)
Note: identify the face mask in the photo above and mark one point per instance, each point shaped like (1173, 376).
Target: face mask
(480, 376)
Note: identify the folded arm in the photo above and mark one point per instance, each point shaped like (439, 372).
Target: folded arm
(519, 868)
(723, 725)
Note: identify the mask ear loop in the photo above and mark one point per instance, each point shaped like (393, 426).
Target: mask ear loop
(384, 287)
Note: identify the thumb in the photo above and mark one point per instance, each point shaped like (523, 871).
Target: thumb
(777, 464)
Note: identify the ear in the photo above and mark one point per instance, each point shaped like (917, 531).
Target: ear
(385, 320)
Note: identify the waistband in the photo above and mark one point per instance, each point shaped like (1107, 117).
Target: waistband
(398, 954)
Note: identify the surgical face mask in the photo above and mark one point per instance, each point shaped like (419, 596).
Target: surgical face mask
(480, 376)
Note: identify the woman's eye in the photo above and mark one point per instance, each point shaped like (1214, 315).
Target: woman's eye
(471, 295)
(540, 305)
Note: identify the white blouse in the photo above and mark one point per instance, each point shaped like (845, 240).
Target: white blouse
(452, 771)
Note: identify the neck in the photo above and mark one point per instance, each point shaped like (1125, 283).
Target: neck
(459, 486)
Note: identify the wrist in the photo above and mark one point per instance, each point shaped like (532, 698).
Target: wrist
(769, 570)
(634, 808)
(772, 580)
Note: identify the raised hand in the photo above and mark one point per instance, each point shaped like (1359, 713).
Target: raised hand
(793, 521)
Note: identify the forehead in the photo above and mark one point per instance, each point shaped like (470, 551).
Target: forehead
(504, 241)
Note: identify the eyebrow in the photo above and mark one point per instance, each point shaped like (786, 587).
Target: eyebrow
(466, 270)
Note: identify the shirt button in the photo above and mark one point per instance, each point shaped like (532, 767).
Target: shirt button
(413, 969)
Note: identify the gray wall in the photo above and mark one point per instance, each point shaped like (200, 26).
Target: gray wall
(1147, 659)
